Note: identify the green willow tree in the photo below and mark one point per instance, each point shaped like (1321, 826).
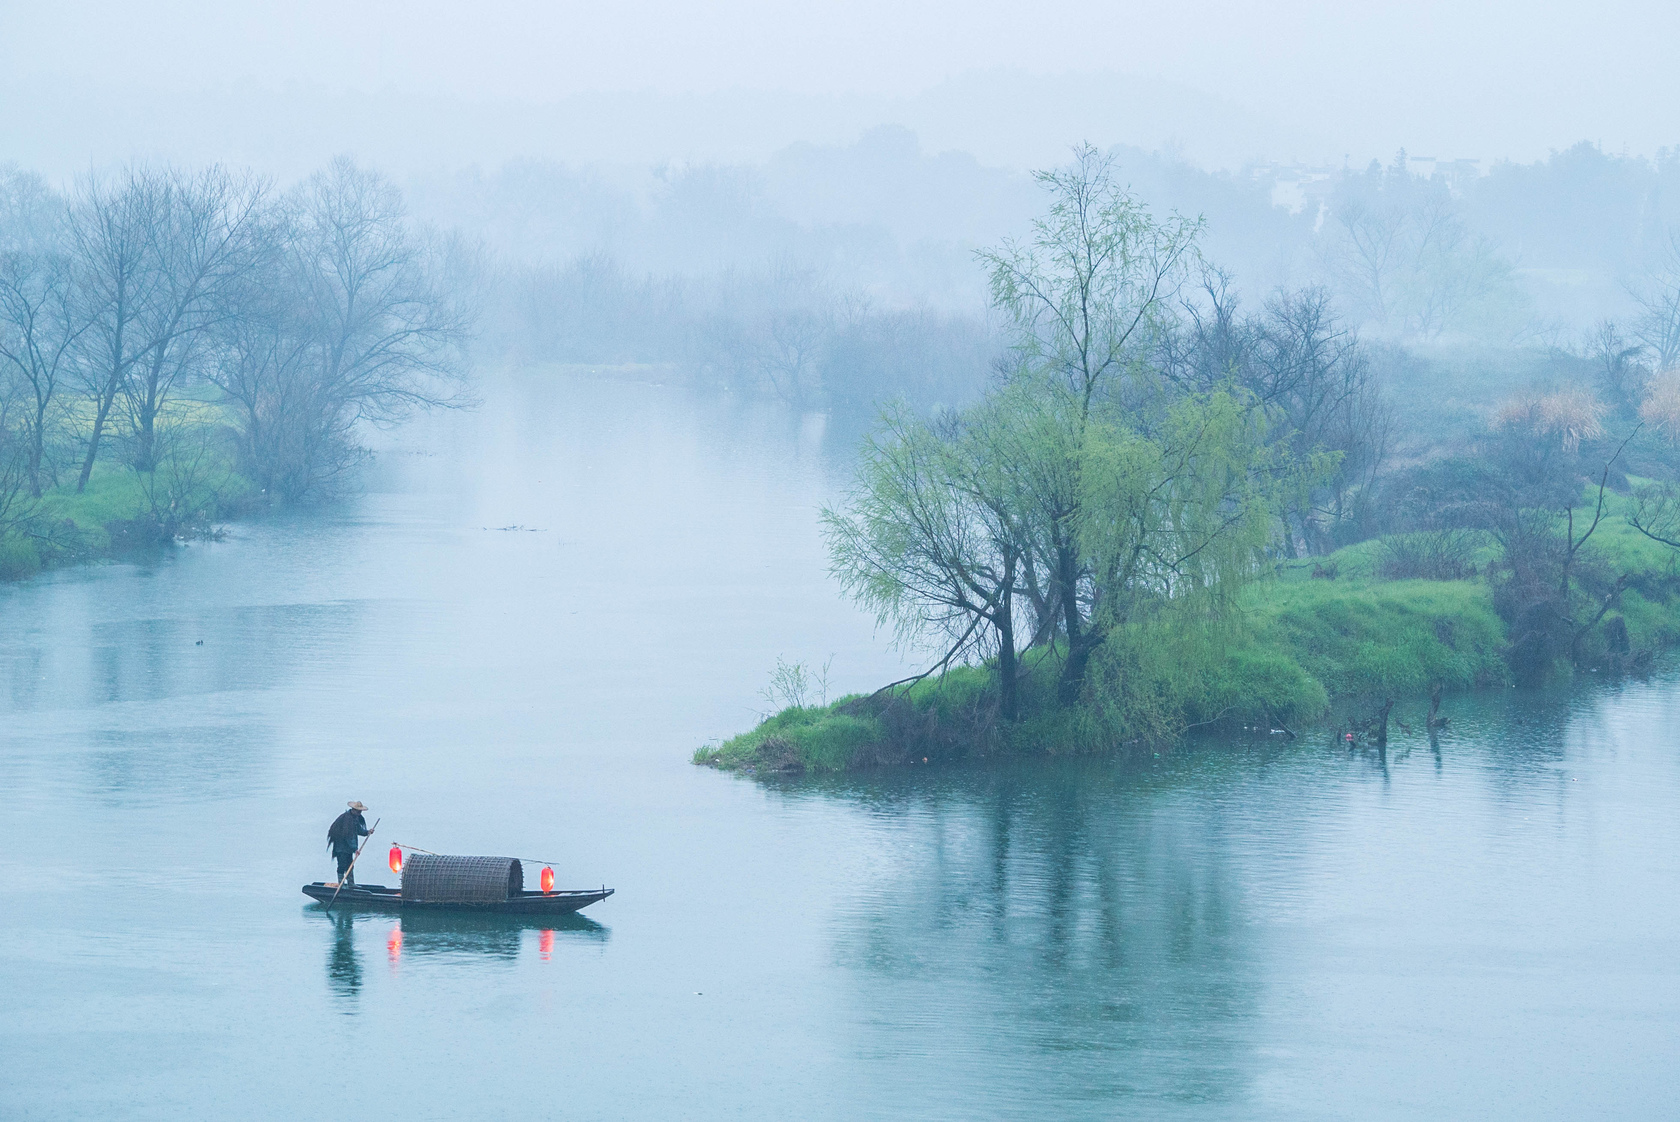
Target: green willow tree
(1085, 497)
(942, 535)
(930, 541)
(1173, 525)
(1088, 298)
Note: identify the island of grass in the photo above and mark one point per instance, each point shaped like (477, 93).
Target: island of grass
(1329, 642)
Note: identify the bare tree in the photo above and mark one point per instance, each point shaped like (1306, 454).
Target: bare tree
(789, 353)
(1313, 377)
(188, 478)
(263, 368)
(1658, 297)
(1308, 372)
(346, 318)
(201, 243)
(1620, 371)
(111, 242)
(1406, 262)
(30, 211)
(1368, 253)
(157, 253)
(16, 506)
(40, 324)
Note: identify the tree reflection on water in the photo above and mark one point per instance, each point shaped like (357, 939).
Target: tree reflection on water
(1078, 919)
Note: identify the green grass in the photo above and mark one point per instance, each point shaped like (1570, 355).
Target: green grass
(112, 514)
(1304, 645)
(818, 738)
(1362, 636)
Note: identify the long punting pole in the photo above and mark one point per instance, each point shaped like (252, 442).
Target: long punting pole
(340, 885)
(434, 853)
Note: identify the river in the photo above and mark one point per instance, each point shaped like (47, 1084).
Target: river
(511, 640)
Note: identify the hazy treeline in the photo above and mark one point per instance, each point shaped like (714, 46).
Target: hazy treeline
(1523, 253)
(178, 323)
(155, 314)
(843, 275)
(782, 330)
(1526, 252)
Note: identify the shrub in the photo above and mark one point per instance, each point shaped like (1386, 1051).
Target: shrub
(1258, 686)
(1429, 555)
(18, 558)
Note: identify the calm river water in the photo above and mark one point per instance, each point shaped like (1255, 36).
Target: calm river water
(1487, 929)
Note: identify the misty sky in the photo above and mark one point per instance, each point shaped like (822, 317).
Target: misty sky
(1225, 81)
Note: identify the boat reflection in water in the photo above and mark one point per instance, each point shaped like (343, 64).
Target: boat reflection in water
(487, 935)
(443, 935)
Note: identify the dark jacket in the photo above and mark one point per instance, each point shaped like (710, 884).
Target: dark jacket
(346, 828)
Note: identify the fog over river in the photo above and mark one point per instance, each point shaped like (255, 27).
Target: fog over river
(511, 641)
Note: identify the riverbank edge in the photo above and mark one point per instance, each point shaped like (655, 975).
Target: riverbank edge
(115, 518)
(1324, 642)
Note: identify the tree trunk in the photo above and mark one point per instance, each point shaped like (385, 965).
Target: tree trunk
(144, 457)
(1009, 706)
(37, 446)
(145, 453)
(99, 418)
(1073, 670)
(1072, 681)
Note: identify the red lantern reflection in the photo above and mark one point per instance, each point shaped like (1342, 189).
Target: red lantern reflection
(396, 859)
(547, 879)
(545, 944)
(393, 945)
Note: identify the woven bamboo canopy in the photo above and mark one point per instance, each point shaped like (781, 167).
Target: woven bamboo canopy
(439, 879)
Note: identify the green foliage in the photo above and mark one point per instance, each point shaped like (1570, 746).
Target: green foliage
(1255, 686)
(957, 690)
(1176, 520)
(120, 509)
(1296, 646)
(1140, 683)
(1395, 638)
(1087, 543)
(815, 738)
(18, 558)
(1088, 291)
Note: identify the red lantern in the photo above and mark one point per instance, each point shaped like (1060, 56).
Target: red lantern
(396, 859)
(548, 879)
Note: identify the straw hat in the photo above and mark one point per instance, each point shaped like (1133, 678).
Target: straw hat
(355, 804)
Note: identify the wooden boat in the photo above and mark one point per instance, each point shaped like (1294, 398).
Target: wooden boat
(526, 903)
(487, 884)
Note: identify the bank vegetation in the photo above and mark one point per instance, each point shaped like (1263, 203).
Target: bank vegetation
(1174, 513)
(177, 346)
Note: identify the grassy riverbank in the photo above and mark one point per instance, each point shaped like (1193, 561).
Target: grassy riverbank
(1308, 649)
(119, 512)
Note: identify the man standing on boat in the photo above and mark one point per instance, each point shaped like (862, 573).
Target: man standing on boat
(342, 838)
